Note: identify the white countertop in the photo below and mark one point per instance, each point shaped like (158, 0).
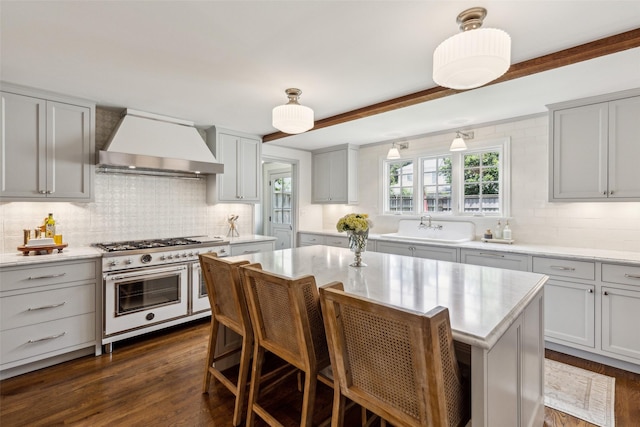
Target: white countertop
(483, 302)
(68, 254)
(543, 250)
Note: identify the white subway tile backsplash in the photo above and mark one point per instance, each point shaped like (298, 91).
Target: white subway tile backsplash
(127, 207)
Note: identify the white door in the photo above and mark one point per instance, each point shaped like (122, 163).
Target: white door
(280, 209)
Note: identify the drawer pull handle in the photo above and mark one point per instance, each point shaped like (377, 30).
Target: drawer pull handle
(251, 252)
(560, 267)
(52, 337)
(47, 306)
(632, 276)
(50, 276)
(490, 254)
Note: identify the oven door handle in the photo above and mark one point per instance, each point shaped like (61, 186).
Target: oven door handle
(146, 274)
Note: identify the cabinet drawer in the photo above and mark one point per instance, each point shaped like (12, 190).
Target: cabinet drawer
(43, 339)
(251, 248)
(495, 259)
(50, 274)
(624, 274)
(565, 268)
(311, 239)
(339, 241)
(45, 306)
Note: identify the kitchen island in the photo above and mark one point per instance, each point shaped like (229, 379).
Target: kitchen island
(496, 318)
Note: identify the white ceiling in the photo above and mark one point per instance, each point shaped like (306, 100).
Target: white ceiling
(228, 62)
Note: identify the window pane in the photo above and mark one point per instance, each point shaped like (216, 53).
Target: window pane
(490, 158)
(491, 188)
(470, 189)
(472, 175)
(490, 174)
(471, 160)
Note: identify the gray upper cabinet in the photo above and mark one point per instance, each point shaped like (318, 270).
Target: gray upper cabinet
(335, 175)
(47, 147)
(240, 154)
(594, 149)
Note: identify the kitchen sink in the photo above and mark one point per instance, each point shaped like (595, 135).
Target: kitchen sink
(429, 230)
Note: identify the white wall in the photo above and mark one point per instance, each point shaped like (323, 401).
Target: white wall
(534, 220)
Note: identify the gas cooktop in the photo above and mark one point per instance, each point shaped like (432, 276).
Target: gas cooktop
(131, 245)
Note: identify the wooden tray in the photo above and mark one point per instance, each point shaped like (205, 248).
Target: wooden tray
(37, 249)
(507, 241)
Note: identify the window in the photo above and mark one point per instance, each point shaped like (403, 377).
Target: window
(474, 182)
(481, 180)
(436, 184)
(400, 186)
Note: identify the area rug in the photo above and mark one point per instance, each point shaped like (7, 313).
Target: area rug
(578, 392)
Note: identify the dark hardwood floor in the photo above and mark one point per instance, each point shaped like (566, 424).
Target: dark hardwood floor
(156, 381)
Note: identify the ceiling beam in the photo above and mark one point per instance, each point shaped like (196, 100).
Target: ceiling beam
(584, 52)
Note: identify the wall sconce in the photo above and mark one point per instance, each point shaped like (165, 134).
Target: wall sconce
(394, 151)
(458, 143)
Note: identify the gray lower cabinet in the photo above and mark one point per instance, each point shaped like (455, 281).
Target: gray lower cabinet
(252, 247)
(417, 250)
(46, 147)
(48, 314)
(569, 300)
(621, 310)
(496, 259)
(309, 239)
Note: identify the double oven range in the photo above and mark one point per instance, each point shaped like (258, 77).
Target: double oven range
(152, 284)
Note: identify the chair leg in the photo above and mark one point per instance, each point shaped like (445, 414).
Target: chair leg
(308, 398)
(337, 415)
(254, 389)
(213, 336)
(243, 375)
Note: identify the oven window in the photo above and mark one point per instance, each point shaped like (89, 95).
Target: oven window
(143, 294)
(203, 287)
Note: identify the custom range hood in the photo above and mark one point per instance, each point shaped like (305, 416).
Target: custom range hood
(147, 143)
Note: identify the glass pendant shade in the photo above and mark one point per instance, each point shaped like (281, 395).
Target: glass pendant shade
(393, 153)
(292, 117)
(458, 144)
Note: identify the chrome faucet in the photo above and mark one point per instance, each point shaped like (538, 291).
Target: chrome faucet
(428, 225)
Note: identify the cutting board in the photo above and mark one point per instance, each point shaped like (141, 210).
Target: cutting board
(39, 249)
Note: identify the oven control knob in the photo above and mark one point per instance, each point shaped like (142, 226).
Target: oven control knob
(145, 259)
(190, 253)
(150, 316)
(162, 258)
(112, 263)
(184, 255)
(127, 261)
(170, 257)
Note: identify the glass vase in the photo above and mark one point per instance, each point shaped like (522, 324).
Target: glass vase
(358, 244)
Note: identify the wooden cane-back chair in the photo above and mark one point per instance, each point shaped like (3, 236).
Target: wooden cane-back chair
(287, 321)
(228, 308)
(398, 364)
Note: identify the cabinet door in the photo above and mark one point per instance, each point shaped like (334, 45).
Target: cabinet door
(227, 153)
(23, 146)
(431, 252)
(620, 320)
(249, 169)
(569, 311)
(580, 152)
(321, 177)
(68, 151)
(624, 148)
(338, 181)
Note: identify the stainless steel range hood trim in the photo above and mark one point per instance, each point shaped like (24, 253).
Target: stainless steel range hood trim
(146, 141)
(139, 161)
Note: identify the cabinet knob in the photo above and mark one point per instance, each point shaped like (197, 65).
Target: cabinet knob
(605, 293)
(590, 291)
(604, 193)
(611, 193)
(42, 192)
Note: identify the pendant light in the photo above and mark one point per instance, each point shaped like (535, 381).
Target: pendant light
(474, 57)
(292, 117)
(458, 143)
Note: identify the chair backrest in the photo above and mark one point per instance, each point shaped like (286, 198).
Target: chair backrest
(224, 288)
(399, 364)
(286, 316)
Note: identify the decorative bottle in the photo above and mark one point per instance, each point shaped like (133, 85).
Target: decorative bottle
(506, 232)
(497, 233)
(50, 227)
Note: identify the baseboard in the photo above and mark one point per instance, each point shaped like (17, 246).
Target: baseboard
(620, 364)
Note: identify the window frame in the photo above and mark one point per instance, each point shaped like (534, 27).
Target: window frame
(501, 145)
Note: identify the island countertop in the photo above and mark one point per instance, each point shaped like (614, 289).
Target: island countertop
(482, 301)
